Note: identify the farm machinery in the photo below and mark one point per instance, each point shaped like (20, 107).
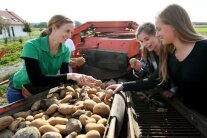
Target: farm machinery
(107, 47)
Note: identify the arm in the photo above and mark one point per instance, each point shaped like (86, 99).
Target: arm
(143, 84)
(37, 78)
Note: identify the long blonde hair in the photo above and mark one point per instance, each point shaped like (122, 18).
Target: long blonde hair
(57, 20)
(149, 29)
(177, 17)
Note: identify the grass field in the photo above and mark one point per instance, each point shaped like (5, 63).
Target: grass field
(201, 30)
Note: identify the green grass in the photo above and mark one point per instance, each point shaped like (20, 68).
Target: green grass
(14, 48)
(12, 55)
(3, 94)
(201, 30)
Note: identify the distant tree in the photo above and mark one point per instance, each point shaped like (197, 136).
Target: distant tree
(42, 25)
(27, 28)
(77, 23)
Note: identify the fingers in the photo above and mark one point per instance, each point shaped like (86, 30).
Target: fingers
(86, 80)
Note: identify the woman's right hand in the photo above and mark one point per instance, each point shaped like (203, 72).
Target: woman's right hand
(115, 87)
(135, 64)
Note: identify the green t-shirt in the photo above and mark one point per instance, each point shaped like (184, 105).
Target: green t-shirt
(38, 49)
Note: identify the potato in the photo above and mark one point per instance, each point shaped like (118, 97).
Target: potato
(79, 104)
(89, 104)
(72, 135)
(27, 123)
(57, 120)
(45, 117)
(27, 132)
(102, 121)
(92, 91)
(96, 99)
(93, 126)
(62, 93)
(109, 94)
(39, 115)
(5, 122)
(101, 109)
(38, 123)
(15, 124)
(46, 103)
(91, 96)
(6, 133)
(29, 118)
(53, 108)
(22, 125)
(73, 125)
(81, 136)
(85, 120)
(78, 113)
(55, 96)
(96, 117)
(51, 135)
(36, 106)
(98, 88)
(98, 82)
(93, 134)
(66, 99)
(62, 129)
(57, 114)
(133, 61)
(66, 109)
(22, 114)
(69, 88)
(101, 95)
(48, 128)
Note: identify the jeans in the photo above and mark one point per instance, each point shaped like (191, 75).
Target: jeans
(13, 95)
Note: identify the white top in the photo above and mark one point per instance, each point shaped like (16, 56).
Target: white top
(70, 45)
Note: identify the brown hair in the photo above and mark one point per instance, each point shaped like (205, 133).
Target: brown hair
(57, 20)
(177, 17)
(149, 29)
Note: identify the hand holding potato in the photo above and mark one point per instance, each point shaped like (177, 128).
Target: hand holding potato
(135, 64)
(80, 61)
(115, 87)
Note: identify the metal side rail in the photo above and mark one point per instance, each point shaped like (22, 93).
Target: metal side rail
(21, 105)
(116, 116)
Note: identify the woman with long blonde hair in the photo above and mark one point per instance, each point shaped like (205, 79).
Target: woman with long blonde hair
(186, 64)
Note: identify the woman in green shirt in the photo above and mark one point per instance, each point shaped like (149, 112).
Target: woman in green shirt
(43, 57)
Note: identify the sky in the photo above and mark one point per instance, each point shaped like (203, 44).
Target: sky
(140, 11)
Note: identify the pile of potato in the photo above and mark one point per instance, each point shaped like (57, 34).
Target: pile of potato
(69, 111)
